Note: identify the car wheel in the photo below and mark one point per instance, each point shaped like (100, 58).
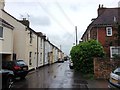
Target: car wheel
(9, 82)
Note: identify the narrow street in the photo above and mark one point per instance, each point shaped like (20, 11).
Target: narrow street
(57, 75)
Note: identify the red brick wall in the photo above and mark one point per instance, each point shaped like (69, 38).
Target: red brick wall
(106, 40)
(103, 67)
(100, 34)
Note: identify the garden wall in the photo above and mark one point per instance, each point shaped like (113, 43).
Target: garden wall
(103, 67)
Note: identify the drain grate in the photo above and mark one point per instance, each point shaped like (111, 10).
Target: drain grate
(80, 81)
(80, 86)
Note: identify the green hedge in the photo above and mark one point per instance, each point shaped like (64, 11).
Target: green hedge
(82, 55)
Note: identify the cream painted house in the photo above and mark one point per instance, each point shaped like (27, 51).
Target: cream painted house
(41, 49)
(60, 55)
(55, 54)
(6, 40)
(24, 43)
(6, 37)
(47, 50)
(22, 48)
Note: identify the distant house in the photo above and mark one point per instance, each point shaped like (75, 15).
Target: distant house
(103, 29)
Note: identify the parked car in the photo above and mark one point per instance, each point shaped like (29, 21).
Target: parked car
(65, 58)
(114, 81)
(60, 60)
(19, 67)
(70, 64)
(7, 78)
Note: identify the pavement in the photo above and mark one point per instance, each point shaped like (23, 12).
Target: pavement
(97, 83)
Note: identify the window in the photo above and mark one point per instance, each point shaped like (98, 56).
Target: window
(1, 32)
(109, 31)
(30, 58)
(31, 37)
(89, 35)
(114, 51)
(41, 43)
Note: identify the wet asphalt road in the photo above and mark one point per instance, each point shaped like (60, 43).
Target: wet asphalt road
(57, 75)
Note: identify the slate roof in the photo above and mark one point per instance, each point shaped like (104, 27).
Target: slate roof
(107, 16)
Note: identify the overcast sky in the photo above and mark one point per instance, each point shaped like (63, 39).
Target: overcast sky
(58, 18)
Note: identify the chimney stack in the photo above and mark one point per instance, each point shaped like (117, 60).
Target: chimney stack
(25, 22)
(101, 9)
(2, 4)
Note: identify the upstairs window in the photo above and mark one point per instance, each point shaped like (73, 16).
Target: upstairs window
(1, 32)
(109, 31)
(31, 37)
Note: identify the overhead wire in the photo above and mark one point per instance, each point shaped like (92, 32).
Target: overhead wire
(69, 20)
(45, 10)
(66, 16)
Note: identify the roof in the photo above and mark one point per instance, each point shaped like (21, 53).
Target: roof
(106, 16)
(6, 24)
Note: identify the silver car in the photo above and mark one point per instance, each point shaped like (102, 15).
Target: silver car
(114, 81)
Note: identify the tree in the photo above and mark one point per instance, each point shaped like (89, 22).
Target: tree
(82, 55)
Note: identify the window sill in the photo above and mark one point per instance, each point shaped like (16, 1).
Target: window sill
(30, 44)
(1, 39)
(109, 35)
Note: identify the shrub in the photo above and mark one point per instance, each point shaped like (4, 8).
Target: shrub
(82, 55)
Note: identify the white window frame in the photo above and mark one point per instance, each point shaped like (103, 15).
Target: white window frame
(89, 35)
(111, 53)
(107, 31)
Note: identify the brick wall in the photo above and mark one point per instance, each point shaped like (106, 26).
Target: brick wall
(103, 67)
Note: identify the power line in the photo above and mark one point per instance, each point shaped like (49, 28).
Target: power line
(39, 3)
(69, 20)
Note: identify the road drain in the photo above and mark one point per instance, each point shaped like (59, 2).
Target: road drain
(80, 81)
(80, 86)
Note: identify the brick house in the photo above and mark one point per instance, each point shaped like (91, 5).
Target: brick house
(103, 29)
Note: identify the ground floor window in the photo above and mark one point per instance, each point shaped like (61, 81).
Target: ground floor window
(114, 50)
(30, 58)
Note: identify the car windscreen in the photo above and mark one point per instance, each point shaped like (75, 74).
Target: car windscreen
(117, 71)
(21, 63)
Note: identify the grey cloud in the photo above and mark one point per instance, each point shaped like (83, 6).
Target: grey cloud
(40, 20)
(75, 6)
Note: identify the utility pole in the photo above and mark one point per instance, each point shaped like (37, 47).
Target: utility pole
(76, 33)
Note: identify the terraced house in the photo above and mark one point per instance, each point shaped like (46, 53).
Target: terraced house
(104, 29)
(6, 40)
(19, 41)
